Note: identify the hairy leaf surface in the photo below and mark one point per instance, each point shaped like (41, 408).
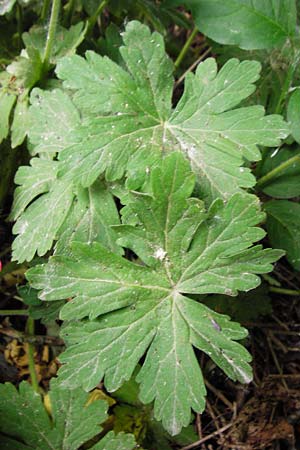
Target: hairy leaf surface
(133, 121)
(120, 120)
(136, 308)
(72, 424)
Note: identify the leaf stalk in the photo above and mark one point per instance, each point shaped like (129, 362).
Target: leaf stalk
(185, 48)
(14, 312)
(93, 19)
(30, 353)
(276, 172)
(51, 32)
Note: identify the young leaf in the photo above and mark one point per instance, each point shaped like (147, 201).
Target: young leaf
(73, 423)
(146, 308)
(249, 24)
(283, 225)
(65, 43)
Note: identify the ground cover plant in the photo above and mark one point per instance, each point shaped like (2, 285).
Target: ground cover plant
(154, 148)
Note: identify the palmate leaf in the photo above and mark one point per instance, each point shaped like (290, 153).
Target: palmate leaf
(144, 308)
(56, 214)
(120, 120)
(127, 117)
(24, 418)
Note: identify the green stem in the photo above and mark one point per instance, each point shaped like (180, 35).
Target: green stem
(69, 13)
(278, 290)
(19, 25)
(185, 48)
(30, 347)
(51, 32)
(93, 19)
(13, 312)
(287, 83)
(44, 12)
(271, 280)
(275, 172)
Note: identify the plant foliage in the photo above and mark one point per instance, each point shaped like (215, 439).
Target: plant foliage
(139, 197)
(248, 24)
(145, 308)
(72, 422)
(120, 120)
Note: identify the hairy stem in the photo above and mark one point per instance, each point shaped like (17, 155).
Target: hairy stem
(279, 290)
(45, 9)
(93, 19)
(185, 48)
(51, 32)
(13, 312)
(69, 13)
(30, 354)
(19, 15)
(275, 172)
(287, 83)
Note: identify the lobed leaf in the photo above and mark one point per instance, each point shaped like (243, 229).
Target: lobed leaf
(72, 423)
(119, 119)
(135, 309)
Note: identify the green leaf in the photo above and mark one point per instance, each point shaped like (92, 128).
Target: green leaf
(54, 121)
(27, 68)
(145, 308)
(249, 24)
(72, 424)
(65, 43)
(283, 226)
(55, 216)
(90, 220)
(121, 121)
(6, 104)
(285, 183)
(128, 122)
(38, 225)
(245, 307)
(111, 441)
(47, 311)
(34, 180)
(6, 6)
(20, 123)
(293, 114)
(9, 444)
